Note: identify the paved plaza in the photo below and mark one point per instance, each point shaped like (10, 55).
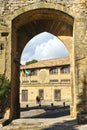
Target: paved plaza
(45, 119)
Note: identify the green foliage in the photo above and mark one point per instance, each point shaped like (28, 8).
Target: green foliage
(4, 84)
(4, 93)
(31, 62)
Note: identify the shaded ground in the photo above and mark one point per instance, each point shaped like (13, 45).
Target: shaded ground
(45, 112)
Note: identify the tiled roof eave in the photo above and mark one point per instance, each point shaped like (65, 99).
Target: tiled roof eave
(48, 63)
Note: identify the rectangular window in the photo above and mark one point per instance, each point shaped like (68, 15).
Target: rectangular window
(57, 95)
(24, 95)
(41, 94)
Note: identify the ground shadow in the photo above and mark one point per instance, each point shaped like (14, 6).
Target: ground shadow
(50, 111)
(66, 125)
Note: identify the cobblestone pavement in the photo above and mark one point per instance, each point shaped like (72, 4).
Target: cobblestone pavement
(39, 119)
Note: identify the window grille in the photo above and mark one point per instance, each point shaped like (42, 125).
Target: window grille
(54, 80)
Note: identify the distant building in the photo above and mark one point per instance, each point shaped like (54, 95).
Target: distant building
(48, 79)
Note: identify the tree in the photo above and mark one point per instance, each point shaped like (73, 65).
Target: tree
(31, 62)
(4, 83)
(4, 92)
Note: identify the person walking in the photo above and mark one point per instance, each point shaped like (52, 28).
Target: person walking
(38, 101)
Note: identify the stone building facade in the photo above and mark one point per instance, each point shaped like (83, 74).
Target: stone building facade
(48, 79)
(21, 20)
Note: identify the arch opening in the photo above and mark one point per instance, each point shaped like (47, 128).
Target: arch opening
(44, 46)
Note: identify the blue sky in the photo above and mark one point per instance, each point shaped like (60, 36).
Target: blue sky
(43, 46)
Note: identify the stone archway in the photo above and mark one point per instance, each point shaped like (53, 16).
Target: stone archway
(24, 27)
(43, 15)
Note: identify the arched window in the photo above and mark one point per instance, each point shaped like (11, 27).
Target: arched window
(53, 70)
(65, 69)
(34, 72)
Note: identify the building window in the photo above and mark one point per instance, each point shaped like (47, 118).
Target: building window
(34, 72)
(65, 69)
(25, 95)
(57, 95)
(53, 70)
(26, 72)
(41, 94)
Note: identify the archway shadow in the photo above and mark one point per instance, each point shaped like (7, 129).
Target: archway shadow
(49, 111)
(65, 125)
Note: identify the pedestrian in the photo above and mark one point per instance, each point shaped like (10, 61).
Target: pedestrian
(38, 101)
(63, 104)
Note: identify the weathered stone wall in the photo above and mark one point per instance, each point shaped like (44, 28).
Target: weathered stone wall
(76, 6)
(5, 55)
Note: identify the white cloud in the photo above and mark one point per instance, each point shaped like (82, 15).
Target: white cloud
(51, 49)
(42, 49)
